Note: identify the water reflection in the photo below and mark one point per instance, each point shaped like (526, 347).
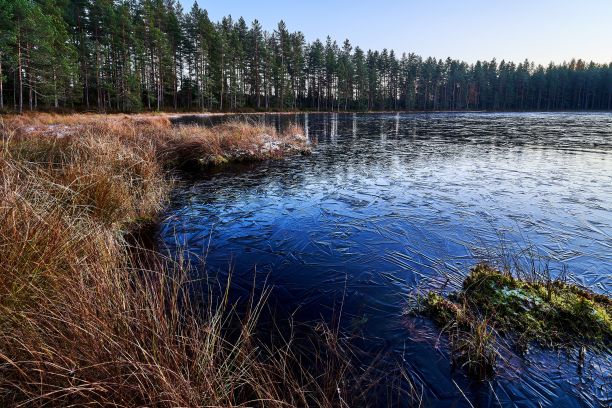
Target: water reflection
(389, 202)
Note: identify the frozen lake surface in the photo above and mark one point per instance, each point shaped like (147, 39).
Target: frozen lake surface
(391, 203)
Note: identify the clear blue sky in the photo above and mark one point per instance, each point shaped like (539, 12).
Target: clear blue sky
(541, 30)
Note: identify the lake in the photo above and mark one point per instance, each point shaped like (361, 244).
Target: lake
(391, 204)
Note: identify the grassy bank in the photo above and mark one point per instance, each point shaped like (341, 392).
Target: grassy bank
(552, 313)
(82, 320)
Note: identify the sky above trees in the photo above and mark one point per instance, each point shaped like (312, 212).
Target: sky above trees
(540, 30)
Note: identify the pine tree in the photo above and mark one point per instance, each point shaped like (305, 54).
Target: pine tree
(126, 55)
(7, 39)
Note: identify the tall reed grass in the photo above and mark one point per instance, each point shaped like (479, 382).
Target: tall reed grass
(83, 321)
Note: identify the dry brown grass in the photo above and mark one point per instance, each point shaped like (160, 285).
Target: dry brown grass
(197, 147)
(187, 146)
(84, 322)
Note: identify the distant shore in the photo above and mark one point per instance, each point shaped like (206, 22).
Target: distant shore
(174, 114)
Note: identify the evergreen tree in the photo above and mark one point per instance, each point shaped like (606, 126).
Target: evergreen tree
(128, 55)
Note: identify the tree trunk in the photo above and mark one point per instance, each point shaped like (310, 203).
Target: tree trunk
(319, 95)
(151, 75)
(29, 76)
(222, 83)
(85, 75)
(20, 73)
(83, 61)
(175, 83)
(55, 90)
(160, 87)
(1, 87)
(15, 89)
(201, 82)
(257, 90)
(98, 87)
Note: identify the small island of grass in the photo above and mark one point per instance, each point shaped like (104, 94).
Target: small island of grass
(548, 312)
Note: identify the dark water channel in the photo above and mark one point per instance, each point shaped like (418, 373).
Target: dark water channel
(391, 203)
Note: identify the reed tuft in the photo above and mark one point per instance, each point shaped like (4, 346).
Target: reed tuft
(84, 320)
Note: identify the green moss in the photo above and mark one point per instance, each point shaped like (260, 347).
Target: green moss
(551, 313)
(218, 160)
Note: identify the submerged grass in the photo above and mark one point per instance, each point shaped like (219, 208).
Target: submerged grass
(83, 321)
(473, 341)
(550, 312)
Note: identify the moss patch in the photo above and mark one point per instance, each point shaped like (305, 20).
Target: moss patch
(551, 313)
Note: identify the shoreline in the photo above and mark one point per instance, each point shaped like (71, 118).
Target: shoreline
(84, 298)
(176, 115)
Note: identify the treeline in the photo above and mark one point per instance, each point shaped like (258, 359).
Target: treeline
(131, 55)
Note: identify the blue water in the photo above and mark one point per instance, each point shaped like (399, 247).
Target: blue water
(391, 204)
